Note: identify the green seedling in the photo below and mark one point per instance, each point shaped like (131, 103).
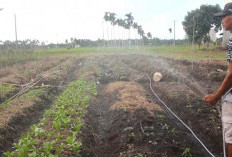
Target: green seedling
(76, 146)
(38, 131)
(60, 148)
(189, 105)
(132, 134)
(173, 131)
(213, 110)
(153, 143)
(187, 153)
(77, 127)
(8, 154)
(49, 134)
(128, 128)
(47, 147)
(212, 118)
(47, 113)
(42, 122)
(139, 155)
(56, 125)
(71, 112)
(58, 136)
(71, 140)
(33, 154)
(66, 121)
(161, 116)
(165, 126)
(71, 103)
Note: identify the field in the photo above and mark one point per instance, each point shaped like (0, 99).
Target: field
(98, 102)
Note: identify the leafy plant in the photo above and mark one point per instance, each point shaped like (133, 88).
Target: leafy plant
(65, 114)
(56, 125)
(47, 147)
(187, 153)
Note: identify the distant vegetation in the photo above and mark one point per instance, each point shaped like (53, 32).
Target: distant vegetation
(120, 34)
(17, 52)
(199, 22)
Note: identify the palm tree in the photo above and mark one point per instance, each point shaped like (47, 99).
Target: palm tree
(112, 19)
(129, 20)
(135, 26)
(107, 18)
(72, 42)
(127, 27)
(103, 36)
(149, 35)
(117, 21)
(121, 23)
(141, 33)
(66, 42)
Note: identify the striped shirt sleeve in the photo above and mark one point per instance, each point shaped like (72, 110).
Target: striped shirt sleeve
(229, 50)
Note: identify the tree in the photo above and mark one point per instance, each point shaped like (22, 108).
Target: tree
(141, 33)
(107, 18)
(149, 35)
(129, 23)
(113, 23)
(135, 26)
(120, 23)
(72, 42)
(198, 23)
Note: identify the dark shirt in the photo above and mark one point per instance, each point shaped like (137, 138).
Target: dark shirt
(229, 50)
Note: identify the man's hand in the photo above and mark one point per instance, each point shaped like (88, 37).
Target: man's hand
(212, 99)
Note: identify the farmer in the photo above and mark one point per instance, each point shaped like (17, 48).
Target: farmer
(225, 90)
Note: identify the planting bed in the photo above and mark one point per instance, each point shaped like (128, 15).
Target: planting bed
(124, 118)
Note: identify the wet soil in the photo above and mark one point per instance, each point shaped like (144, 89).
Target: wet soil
(140, 132)
(121, 132)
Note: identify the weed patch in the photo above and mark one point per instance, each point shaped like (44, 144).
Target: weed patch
(5, 89)
(33, 93)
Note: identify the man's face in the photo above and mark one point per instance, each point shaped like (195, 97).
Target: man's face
(227, 22)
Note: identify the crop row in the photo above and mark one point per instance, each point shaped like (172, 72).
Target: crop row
(57, 132)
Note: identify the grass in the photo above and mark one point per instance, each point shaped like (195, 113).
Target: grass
(11, 57)
(5, 89)
(179, 51)
(33, 93)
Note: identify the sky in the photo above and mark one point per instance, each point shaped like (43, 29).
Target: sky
(53, 21)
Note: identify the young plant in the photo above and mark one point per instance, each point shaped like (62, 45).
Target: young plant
(187, 153)
(56, 125)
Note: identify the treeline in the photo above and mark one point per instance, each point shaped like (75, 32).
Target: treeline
(75, 43)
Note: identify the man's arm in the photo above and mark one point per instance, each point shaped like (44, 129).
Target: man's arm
(225, 86)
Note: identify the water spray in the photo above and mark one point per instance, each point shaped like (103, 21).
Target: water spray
(179, 119)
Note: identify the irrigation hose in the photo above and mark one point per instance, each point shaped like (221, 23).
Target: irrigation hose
(180, 119)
